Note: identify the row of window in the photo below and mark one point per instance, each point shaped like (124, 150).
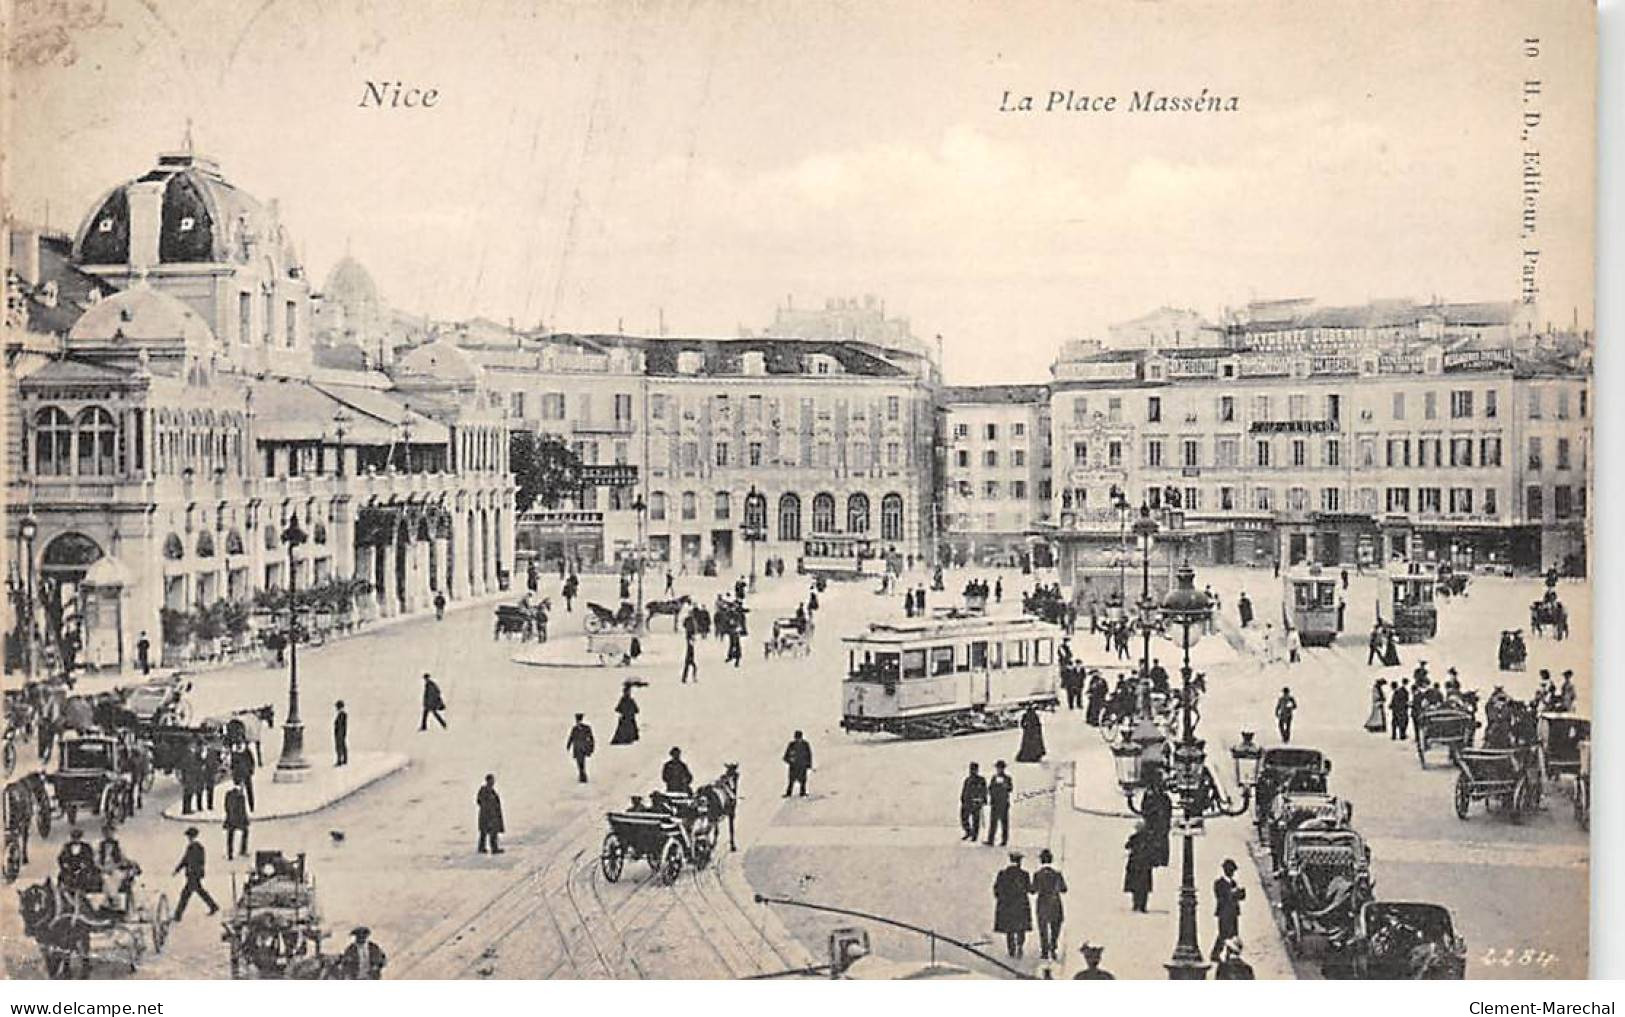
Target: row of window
(1537, 456)
(990, 432)
(94, 444)
(992, 490)
(757, 409)
(1464, 404)
(245, 320)
(823, 512)
(551, 406)
(1429, 453)
(990, 458)
(821, 455)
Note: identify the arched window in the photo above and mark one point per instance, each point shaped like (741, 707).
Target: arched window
(98, 443)
(789, 517)
(857, 513)
(205, 544)
(891, 517)
(174, 550)
(53, 443)
(823, 513)
(756, 514)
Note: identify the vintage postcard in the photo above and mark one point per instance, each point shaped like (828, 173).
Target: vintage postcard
(867, 490)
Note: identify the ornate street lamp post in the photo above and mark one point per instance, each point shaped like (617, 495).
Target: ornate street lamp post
(28, 530)
(1189, 608)
(292, 767)
(341, 423)
(639, 507)
(753, 529)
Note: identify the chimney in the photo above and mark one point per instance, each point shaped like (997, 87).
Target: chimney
(25, 254)
(146, 199)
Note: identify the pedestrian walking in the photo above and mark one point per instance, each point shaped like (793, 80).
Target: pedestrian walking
(143, 653)
(690, 665)
(1285, 707)
(242, 772)
(998, 591)
(1227, 898)
(1032, 737)
(571, 585)
(1294, 645)
(489, 804)
(1072, 682)
(972, 796)
(1137, 869)
(440, 605)
(798, 756)
(1157, 810)
(626, 708)
(341, 734)
(1390, 649)
(1345, 574)
(1092, 971)
(433, 703)
(736, 653)
(193, 862)
(580, 745)
(1377, 721)
(363, 960)
(670, 588)
(1399, 708)
(1374, 646)
(1048, 885)
(236, 823)
(999, 788)
(1012, 913)
(1342, 607)
(1098, 691)
(1244, 608)
(675, 775)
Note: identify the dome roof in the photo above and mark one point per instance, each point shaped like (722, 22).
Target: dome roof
(350, 284)
(205, 219)
(440, 359)
(140, 314)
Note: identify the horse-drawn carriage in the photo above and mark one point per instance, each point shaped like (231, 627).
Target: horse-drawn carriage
(274, 928)
(118, 921)
(675, 830)
(1508, 778)
(1406, 940)
(601, 619)
(1450, 726)
(1295, 810)
(159, 703)
(789, 639)
(1453, 581)
(93, 774)
(1549, 613)
(1512, 654)
(525, 620)
(1325, 881)
(1286, 768)
(1565, 740)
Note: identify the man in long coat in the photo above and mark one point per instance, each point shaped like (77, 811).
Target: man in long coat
(999, 789)
(433, 703)
(193, 862)
(580, 745)
(1048, 885)
(1227, 897)
(1138, 868)
(1098, 691)
(489, 804)
(1157, 809)
(798, 757)
(972, 796)
(1012, 915)
(677, 777)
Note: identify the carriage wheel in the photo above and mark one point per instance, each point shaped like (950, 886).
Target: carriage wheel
(183, 713)
(112, 804)
(160, 924)
(593, 623)
(671, 862)
(1464, 798)
(14, 854)
(705, 845)
(612, 858)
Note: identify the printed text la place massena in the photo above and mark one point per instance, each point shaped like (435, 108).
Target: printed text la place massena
(1069, 100)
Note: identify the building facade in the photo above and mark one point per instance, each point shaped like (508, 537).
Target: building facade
(159, 457)
(997, 474)
(1441, 450)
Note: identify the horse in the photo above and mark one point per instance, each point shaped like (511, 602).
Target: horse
(54, 920)
(245, 727)
(673, 607)
(20, 803)
(721, 798)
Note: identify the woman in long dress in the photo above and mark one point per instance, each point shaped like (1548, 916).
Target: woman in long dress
(626, 729)
(1032, 738)
(1377, 723)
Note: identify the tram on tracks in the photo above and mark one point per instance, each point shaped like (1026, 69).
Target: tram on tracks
(1411, 608)
(1310, 596)
(835, 556)
(933, 677)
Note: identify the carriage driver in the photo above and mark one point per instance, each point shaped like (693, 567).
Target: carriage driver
(117, 869)
(76, 865)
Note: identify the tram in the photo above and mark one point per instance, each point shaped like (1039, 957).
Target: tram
(1412, 611)
(932, 677)
(835, 556)
(1310, 597)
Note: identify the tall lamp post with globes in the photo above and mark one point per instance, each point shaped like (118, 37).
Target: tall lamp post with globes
(753, 527)
(639, 506)
(28, 529)
(292, 767)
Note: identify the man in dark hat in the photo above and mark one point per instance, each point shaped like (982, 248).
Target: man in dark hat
(489, 804)
(242, 771)
(1048, 886)
(1399, 709)
(1227, 896)
(1285, 707)
(676, 775)
(580, 745)
(192, 863)
(433, 703)
(1012, 914)
(972, 796)
(999, 788)
(341, 734)
(362, 960)
(798, 757)
(1566, 695)
(76, 865)
(1092, 971)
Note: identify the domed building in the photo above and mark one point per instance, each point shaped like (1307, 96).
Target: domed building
(183, 429)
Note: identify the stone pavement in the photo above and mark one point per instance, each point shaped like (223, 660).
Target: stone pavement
(323, 785)
(1087, 839)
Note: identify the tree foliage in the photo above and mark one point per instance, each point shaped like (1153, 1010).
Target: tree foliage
(544, 468)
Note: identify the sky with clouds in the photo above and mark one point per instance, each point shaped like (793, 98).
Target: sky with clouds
(591, 166)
